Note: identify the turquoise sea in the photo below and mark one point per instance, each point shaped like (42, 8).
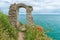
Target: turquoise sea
(48, 22)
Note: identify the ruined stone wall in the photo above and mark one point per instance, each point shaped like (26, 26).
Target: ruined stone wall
(29, 15)
(13, 14)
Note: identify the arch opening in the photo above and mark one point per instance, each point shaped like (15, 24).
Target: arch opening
(22, 15)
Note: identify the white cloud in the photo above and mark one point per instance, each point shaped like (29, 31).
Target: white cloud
(38, 5)
(6, 1)
(37, 8)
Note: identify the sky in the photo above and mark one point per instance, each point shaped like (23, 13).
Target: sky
(39, 6)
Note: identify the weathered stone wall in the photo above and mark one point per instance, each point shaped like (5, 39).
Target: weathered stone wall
(29, 16)
(13, 14)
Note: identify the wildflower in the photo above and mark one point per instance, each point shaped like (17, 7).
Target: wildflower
(40, 29)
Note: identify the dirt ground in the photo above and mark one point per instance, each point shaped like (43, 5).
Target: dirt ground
(21, 36)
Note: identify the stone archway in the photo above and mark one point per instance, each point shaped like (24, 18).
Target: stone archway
(13, 14)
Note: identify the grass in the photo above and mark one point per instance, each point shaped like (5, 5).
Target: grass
(7, 32)
(35, 33)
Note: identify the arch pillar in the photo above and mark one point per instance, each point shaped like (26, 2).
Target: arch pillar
(13, 15)
(29, 16)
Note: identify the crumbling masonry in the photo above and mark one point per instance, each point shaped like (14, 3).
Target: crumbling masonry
(13, 14)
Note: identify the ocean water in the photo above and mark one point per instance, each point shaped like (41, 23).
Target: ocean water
(50, 23)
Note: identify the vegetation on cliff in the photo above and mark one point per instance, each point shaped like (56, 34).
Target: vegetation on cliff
(36, 33)
(7, 32)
